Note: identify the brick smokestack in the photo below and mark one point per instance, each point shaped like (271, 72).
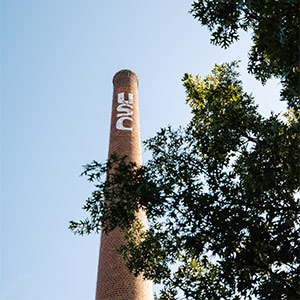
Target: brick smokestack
(114, 281)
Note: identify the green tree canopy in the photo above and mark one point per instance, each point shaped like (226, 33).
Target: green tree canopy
(275, 33)
(220, 196)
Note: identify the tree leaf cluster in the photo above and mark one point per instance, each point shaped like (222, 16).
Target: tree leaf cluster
(274, 25)
(220, 195)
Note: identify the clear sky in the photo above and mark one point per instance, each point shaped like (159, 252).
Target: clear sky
(58, 58)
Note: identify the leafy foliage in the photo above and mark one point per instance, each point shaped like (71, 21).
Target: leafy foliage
(275, 27)
(220, 194)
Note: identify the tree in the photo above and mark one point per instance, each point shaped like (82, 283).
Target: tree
(220, 195)
(275, 34)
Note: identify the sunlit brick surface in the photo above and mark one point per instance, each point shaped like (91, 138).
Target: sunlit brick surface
(114, 281)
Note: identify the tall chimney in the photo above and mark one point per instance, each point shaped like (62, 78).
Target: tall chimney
(114, 281)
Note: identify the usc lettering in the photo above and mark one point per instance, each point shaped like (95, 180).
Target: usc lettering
(125, 111)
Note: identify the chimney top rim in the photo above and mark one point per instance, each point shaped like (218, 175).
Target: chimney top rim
(125, 72)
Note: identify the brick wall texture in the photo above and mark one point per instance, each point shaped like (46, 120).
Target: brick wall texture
(114, 281)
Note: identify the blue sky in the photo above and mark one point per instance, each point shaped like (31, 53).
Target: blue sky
(58, 58)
